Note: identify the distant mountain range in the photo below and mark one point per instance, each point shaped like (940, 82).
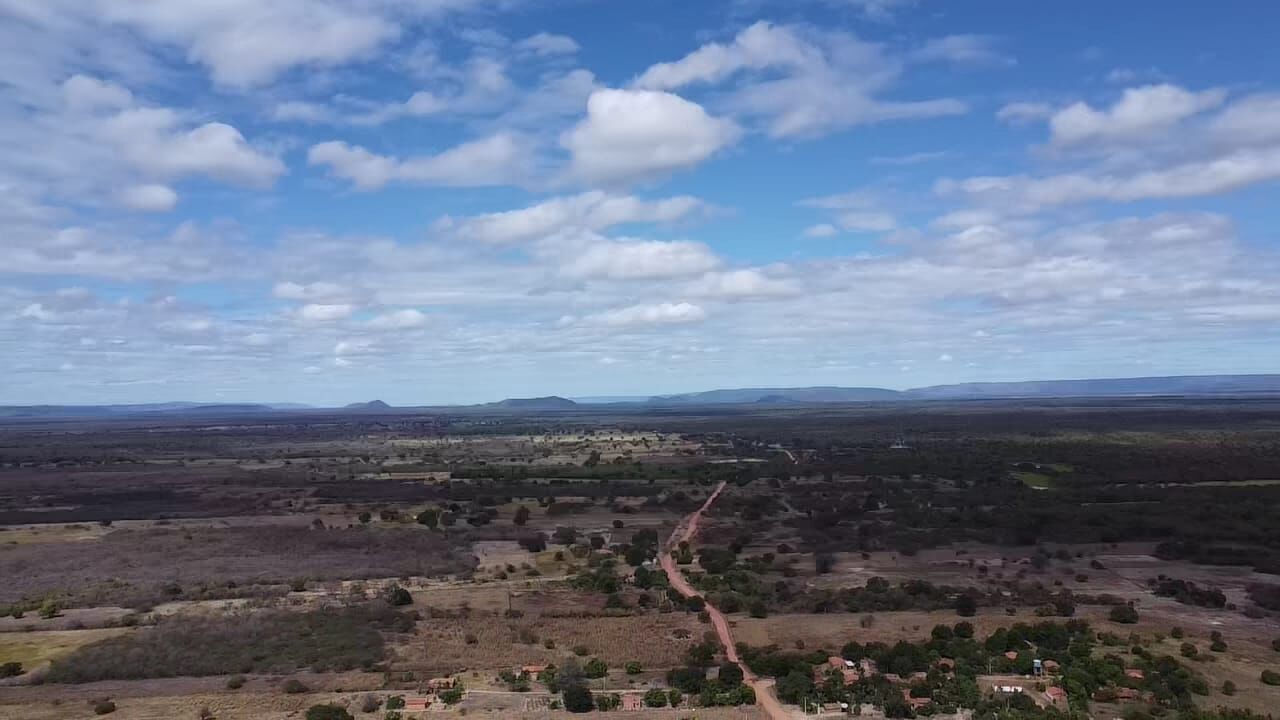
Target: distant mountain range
(1181, 385)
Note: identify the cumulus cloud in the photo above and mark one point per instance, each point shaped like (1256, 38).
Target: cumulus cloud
(323, 313)
(149, 198)
(499, 159)
(405, 319)
(743, 284)
(648, 314)
(544, 43)
(641, 134)
(593, 210)
(802, 82)
(821, 230)
(1138, 111)
(638, 259)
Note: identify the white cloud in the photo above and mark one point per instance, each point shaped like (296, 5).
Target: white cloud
(945, 357)
(499, 159)
(639, 134)
(154, 141)
(638, 259)
(743, 284)
(321, 313)
(1139, 111)
(821, 230)
(544, 43)
(805, 83)
(1222, 174)
(1252, 120)
(1021, 113)
(405, 319)
(149, 198)
(655, 314)
(961, 49)
(246, 43)
(320, 292)
(593, 210)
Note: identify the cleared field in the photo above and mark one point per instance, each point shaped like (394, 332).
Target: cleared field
(656, 641)
(33, 649)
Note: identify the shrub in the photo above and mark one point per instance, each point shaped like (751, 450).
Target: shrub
(1188, 650)
(294, 686)
(104, 707)
(595, 668)
(581, 650)
(395, 702)
(1176, 633)
(452, 696)
(398, 596)
(655, 699)
(633, 667)
(1228, 688)
(964, 630)
(578, 699)
(1218, 645)
(966, 606)
(1124, 614)
(10, 669)
(370, 704)
(674, 697)
(235, 682)
(328, 712)
(1270, 677)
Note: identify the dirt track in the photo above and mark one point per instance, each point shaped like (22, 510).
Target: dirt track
(685, 532)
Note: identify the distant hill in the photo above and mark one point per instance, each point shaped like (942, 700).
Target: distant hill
(1182, 385)
(374, 405)
(551, 402)
(779, 395)
(55, 412)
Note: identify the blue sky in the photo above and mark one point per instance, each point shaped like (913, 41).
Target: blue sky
(445, 201)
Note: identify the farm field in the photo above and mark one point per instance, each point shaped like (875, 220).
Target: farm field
(374, 559)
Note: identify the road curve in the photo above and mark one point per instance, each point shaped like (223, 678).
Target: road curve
(685, 532)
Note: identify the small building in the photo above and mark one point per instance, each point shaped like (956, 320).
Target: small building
(1057, 696)
(1052, 666)
(1135, 674)
(838, 662)
(533, 670)
(1012, 654)
(914, 703)
(417, 704)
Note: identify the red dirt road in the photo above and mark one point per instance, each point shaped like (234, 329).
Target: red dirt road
(685, 532)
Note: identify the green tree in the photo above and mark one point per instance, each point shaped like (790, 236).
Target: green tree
(578, 699)
(595, 668)
(328, 712)
(966, 606)
(399, 596)
(730, 675)
(364, 517)
(655, 699)
(522, 515)
(1124, 614)
(793, 686)
(429, 517)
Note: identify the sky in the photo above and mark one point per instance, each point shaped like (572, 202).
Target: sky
(456, 201)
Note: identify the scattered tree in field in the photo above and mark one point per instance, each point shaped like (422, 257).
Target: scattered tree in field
(235, 682)
(1228, 688)
(730, 675)
(49, 609)
(10, 669)
(452, 696)
(364, 518)
(328, 712)
(1270, 677)
(966, 606)
(595, 668)
(429, 517)
(674, 697)
(104, 707)
(1124, 614)
(399, 596)
(633, 667)
(522, 515)
(395, 702)
(578, 699)
(294, 686)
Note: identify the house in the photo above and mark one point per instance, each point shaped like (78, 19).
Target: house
(1052, 666)
(914, 702)
(1127, 694)
(838, 662)
(868, 668)
(1012, 654)
(893, 678)
(1135, 674)
(1057, 696)
(946, 665)
(441, 683)
(532, 670)
(417, 704)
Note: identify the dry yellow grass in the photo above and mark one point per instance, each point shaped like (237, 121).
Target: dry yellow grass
(35, 648)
